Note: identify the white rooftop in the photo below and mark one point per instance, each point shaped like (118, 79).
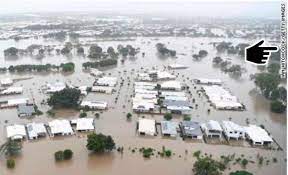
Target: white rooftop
(83, 124)
(257, 134)
(16, 131)
(147, 126)
(34, 129)
(60, 127)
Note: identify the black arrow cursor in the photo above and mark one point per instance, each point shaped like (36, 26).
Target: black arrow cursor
(259, 55)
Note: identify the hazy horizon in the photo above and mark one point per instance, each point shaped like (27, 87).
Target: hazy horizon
(215, 8)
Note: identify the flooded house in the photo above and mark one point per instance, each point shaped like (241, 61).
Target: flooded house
(6, 82)
(171, 85)
(143, 77)
(257, 135)
(106, 81)
(60, 127)
(36, 130)
(96, 73)
(177, 105)
(16, 132)
(177, 66)
(94, 104)
(83, 90)
(83, 124)
(12, 90)
(212, 128)
(171, 94)
(143, 105)
(191, 129)
(145, 85)
(102, 89)
(25, 110)
(233, 130)
(221, 98)
(169, 128)
(206, 81)
(55, 87)
(14, 102)
(147, 127)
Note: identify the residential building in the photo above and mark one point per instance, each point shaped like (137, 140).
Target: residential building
(212, 129)
(191, 129)
(147, 127)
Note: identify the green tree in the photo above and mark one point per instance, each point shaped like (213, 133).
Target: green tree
(67, 98)
(128, 116)
(67, 67)
(277, 106)
(83, 114)
(67, 154)
(10, 163)
(240, 173)
(59, 155)
(10, 148)
(267, 83)
(100, 143)
(208, 166)
(168, 116)
(273, 68)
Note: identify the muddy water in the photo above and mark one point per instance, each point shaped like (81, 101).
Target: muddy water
(113, 121)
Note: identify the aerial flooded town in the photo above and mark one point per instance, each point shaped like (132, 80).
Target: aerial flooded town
(110, 92)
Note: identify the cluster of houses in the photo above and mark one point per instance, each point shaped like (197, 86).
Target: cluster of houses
(219, 97)
(195, 130)
(53, 128)
(169, 95)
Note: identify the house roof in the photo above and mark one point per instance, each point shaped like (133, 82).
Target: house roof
(175, 103)
(191, 128)
(95, 104)
(212, 125)
(6, 81)
(34, 129)
(169, 93)
(169, 127)
(55, 87)
(171, 84)
(147, 126)
(12, 90)
(16, 131)
(257, 134)
(60, 127)
(17, 101)
(110, 81)
(83, 123)
(231, 126)
(25, 109)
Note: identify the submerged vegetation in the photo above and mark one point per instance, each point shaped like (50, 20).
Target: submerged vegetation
(65, 67)
(162, 49)
(100, 143)
(66, 98)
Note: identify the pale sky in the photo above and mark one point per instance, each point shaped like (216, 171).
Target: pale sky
(217, 8)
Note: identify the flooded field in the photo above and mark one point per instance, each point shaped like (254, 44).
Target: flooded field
(113, 121)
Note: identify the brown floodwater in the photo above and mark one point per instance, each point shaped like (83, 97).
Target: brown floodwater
(38, 156)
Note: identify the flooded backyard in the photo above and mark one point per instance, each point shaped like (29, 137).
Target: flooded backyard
(113, 121)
